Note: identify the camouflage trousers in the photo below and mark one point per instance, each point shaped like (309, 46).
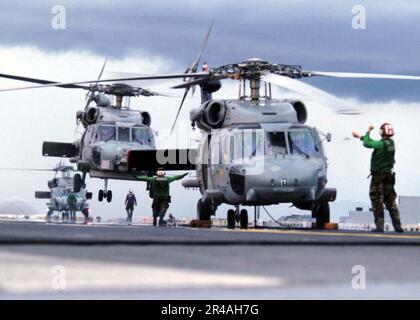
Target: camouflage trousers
(159, 207)
(382, 194)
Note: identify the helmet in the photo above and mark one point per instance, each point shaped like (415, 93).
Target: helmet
(160, 172)
(387, 130)
(130, 191)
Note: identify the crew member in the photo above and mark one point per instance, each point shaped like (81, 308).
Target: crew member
(159, 192)
(72, 203)
(130, 202)
(382, 190)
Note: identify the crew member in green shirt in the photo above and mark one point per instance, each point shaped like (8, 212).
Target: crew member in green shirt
(159, 191)
(72, 203)
(382, 190)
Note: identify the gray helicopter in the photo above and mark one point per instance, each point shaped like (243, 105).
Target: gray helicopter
(60, 186)
(112, 131)
(256, 150)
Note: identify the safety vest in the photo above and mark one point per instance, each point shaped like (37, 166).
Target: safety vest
(160, 188)
(383, 159)
(71, 199)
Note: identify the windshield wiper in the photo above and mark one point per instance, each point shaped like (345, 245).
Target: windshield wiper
(295, 147)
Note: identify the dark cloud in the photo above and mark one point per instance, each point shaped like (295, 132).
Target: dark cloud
(317, 35)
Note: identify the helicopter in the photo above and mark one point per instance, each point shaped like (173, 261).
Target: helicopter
(111, 130)
(60, 186)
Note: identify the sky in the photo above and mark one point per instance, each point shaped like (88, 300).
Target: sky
(165, 36)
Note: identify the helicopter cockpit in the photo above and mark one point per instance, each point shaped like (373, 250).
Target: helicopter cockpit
(301, 141)
(133, 134)
(247, 143)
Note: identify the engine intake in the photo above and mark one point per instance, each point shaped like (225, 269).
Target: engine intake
(91, 115)
(147, 118)
(301, 112)
(214, 113)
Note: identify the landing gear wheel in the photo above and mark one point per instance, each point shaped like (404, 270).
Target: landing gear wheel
(321, 212)
(231, 219)
(77, 182)
(244, 219)
(100, 195)
(203, 211)
(89, 195)
(109, 196)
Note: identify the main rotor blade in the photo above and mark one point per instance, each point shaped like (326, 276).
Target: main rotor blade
(91, 94)
(362, 75)
(179, 109)
(298, 86)
(189, 84)
(26, 169)
(312, 92)
(41, 81)
(203, 47)
(193, 70)
(102, 70)
(67, 84)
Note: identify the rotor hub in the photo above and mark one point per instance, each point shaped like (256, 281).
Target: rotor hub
(255, 68)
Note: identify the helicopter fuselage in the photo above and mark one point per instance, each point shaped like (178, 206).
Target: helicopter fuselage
(259, 153)
(104, 148)
(277, 171)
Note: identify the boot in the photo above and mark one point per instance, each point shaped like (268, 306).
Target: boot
(162, 222)
(155, 222)
(399, 229)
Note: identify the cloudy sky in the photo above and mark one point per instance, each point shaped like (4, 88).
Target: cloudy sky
(164, 36)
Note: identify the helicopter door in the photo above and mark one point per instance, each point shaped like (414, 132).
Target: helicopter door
(225, 157)
(86, 142)
(205, 160)
(216, 167)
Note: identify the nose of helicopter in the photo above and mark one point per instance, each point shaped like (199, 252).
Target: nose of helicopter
(291, 180)
(115, 157)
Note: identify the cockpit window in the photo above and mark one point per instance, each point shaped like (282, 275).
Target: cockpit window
(246, 143)
(303, 142)
(277, 142)
(142, 135)
(67, 175)
(124, 134)
(106, 133)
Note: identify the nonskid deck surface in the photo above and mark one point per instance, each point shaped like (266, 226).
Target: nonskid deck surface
(142, 262)
(42, 233)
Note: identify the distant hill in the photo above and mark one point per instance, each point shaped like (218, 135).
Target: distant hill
(17, 206)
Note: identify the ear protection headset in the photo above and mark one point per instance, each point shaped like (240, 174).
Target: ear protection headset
(386, 130)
